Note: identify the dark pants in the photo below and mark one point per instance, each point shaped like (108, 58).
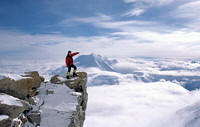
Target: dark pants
(72, 66)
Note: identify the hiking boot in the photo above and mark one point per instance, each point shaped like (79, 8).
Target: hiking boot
(68, 75)
(74, 75)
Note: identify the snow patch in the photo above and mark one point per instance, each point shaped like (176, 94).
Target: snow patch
(17, 120)
(10, 100)
(13, 76)
(3, 117)
(62, 79)
(76, 94)
(58, 106)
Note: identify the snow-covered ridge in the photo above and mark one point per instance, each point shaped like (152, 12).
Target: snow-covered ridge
(58, 106)
(78, 84)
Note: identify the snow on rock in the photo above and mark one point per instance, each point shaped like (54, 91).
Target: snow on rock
(5, 121)
(16, 122)
(10, 100)
(59, 105)
(59, 79)
(3, 117)
(79, 84)
(76, 93)
(13, 76)
(22, 88)
(12, 106)
(62, 79)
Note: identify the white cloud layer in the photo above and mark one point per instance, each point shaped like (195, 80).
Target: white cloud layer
(137, 104)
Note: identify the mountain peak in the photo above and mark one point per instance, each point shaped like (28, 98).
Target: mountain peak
(94, 60)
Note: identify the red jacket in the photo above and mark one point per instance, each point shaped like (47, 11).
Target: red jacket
(69, 59)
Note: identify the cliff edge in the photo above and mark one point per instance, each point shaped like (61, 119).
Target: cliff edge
(79, 85)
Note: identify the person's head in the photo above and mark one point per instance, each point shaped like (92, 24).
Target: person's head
(69, 53)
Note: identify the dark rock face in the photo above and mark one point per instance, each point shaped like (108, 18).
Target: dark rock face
(42, 79)
(79, 84)
(5, 122)
(35, 117)
(19, 121)
(22, 88)
(55, 80)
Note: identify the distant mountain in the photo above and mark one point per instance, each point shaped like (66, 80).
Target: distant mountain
(94, 60)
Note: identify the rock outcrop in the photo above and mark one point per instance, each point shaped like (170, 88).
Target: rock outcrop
(16, 99)
(79, 84)
(21, 100)
(23, 88)
(12, 106)
(34, 117)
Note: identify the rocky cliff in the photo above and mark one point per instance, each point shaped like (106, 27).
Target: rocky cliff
(31, 102)
(79, 85)
(16, 98)
(22, 88)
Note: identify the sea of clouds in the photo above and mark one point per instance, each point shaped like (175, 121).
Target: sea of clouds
(139, 105)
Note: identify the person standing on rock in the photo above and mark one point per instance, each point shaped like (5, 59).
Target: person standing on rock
(70, 63)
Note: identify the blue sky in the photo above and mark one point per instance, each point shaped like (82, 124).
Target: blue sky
(35, 29)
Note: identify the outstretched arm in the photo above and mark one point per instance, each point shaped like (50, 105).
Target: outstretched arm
(73, 54)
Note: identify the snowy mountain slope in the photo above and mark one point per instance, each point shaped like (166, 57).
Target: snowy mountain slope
(93, 60)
